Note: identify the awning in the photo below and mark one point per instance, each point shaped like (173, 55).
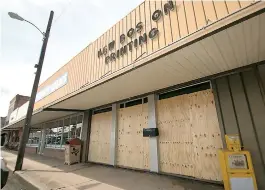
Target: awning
(39, 117)
(233, 42)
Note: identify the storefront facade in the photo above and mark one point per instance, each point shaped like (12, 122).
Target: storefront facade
(193, 70)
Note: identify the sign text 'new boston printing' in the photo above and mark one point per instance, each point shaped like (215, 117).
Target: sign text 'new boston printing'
(112, 56)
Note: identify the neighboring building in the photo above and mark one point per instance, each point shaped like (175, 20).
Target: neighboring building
(194, 70)
(2, 121)
(15, 103)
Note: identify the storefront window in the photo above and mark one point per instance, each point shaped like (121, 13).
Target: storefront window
(34, 138)
(59, 137)
(66, 131)
(78, 130)
(73, 127)
(54, 136)
(49, 135)
(59, 132)
(15, 136)
(72, 131)
(79, 126)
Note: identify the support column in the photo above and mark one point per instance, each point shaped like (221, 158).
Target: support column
(113, 137)
(85, 134)
(43, 140)
(153, 141)
(61, 143)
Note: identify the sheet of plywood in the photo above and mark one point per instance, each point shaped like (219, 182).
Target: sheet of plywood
(99, 146)
(132, 147)
(189, 135)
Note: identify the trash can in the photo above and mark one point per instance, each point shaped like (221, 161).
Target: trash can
(72, 151)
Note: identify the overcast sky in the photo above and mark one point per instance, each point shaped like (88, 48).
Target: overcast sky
(76, 23)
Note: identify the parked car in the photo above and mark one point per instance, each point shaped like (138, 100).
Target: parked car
(4, 172)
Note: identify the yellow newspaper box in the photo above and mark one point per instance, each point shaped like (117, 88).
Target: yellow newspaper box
(236, 166)
(72, 151)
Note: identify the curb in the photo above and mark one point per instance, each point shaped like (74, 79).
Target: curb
(20, 177)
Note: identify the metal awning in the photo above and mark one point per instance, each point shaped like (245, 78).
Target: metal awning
(233, 42)
(41, 116)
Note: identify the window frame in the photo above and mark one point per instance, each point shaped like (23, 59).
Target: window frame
(69, 121)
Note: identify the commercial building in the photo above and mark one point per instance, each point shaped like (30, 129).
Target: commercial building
(2, 121)
(15, 103)
(194, 70)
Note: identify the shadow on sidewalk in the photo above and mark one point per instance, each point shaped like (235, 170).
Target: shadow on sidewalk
(122, 178)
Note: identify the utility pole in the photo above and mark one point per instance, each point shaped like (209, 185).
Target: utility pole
(26, 128)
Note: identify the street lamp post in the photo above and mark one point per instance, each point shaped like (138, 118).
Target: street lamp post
(26, 128)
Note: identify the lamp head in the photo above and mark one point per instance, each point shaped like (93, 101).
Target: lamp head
(15, 16)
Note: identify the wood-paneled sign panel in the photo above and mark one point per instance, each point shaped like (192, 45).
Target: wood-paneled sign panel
(148, 28)
(189, 135)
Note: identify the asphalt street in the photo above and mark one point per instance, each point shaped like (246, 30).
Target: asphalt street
(17, 183)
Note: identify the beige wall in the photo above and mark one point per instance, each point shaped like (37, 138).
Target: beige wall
(186, 18)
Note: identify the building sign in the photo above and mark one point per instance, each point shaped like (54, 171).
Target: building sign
(58, 83)
(108, 51)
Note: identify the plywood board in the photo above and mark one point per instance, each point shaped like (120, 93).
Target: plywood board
(189, 135)
(99, 145)
(132, 147)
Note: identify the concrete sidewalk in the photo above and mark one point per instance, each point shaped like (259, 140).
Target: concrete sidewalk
(49, 173)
